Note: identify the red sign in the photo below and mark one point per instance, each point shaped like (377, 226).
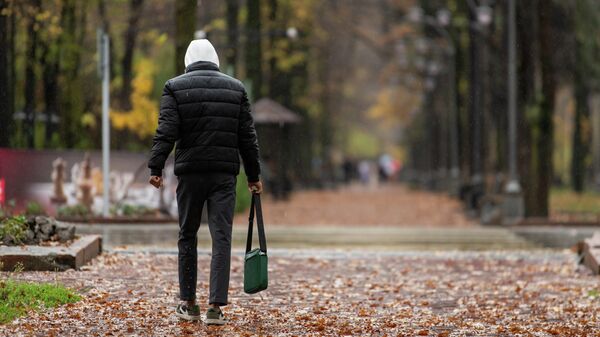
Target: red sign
(2, 191)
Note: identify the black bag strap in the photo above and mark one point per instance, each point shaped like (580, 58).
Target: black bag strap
(255, 205)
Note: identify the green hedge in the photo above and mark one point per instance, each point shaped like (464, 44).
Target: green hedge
(242, 201)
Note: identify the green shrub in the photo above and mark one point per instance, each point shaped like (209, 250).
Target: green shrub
(242, 201)
(18, 298)
(14, 228)
(76, 211)
(130, 210)
(33, 208)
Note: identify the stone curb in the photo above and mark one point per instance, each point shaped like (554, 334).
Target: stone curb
(58, 258)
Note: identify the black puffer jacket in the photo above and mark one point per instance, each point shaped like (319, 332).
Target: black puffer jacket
(207, 114)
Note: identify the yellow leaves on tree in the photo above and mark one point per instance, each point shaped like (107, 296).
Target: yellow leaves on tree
(142, 119)
(393, 107)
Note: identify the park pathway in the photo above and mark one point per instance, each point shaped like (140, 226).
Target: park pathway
(358, 205)
(389, 217)
(385, 262)
(335, 293)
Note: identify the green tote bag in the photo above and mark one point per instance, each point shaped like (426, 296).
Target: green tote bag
(255, 261)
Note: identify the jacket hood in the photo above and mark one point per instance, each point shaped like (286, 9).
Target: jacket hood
(201, 50)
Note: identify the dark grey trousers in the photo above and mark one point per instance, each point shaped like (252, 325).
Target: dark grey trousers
(218, 190)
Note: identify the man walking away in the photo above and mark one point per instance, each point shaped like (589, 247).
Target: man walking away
(207, 114)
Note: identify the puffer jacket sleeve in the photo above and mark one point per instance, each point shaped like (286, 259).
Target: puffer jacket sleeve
(167, 132)
(248, 142)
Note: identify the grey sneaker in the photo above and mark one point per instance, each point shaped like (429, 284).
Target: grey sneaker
(215, 317)
(188, 313)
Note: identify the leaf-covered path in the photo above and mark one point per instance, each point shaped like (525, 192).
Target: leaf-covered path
(529, 293)
(387, 205)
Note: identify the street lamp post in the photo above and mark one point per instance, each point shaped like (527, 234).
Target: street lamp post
(437, 125)
(439, 23)
(434, 178)
(453, 128)
(104, 72)
(443, 18)
(513, 199)
(483, 15)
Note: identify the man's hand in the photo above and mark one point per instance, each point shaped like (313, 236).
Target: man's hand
(156, 181)
(255, 187)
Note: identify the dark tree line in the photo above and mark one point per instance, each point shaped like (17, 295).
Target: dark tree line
(50, 78)
(7, 25)
(185, 26)
(344, 55)
(553, 49)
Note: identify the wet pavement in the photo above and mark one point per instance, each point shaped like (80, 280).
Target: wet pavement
(385, 217)
(164, 236)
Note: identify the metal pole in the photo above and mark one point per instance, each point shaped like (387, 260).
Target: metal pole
(452, 131)
(513, 199)
(105, 124)
(513, 180)
(453, 114)
(430, 120)
(453, 127)
(475, 111)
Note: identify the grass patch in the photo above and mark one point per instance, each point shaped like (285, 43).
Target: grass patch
(17, 298)
(568, 202)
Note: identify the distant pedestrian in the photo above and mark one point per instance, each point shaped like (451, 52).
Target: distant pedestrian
(364, 171)
(207, 114)
(349, 169)
(387, 167)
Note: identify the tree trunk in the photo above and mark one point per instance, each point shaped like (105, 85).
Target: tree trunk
(135, 12)
(254, 48)
(580, 137)
(50, 69)
(326, 118)
(544, 142)
(233, 9)
(6, 65)
(30, 80)
(476, 105)
(279, 81)
(305, 131)
(273, 38)
(462, 39)
(527, 26)
(582, 68)
(498, 93)
(71, 99)
(185, 26)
